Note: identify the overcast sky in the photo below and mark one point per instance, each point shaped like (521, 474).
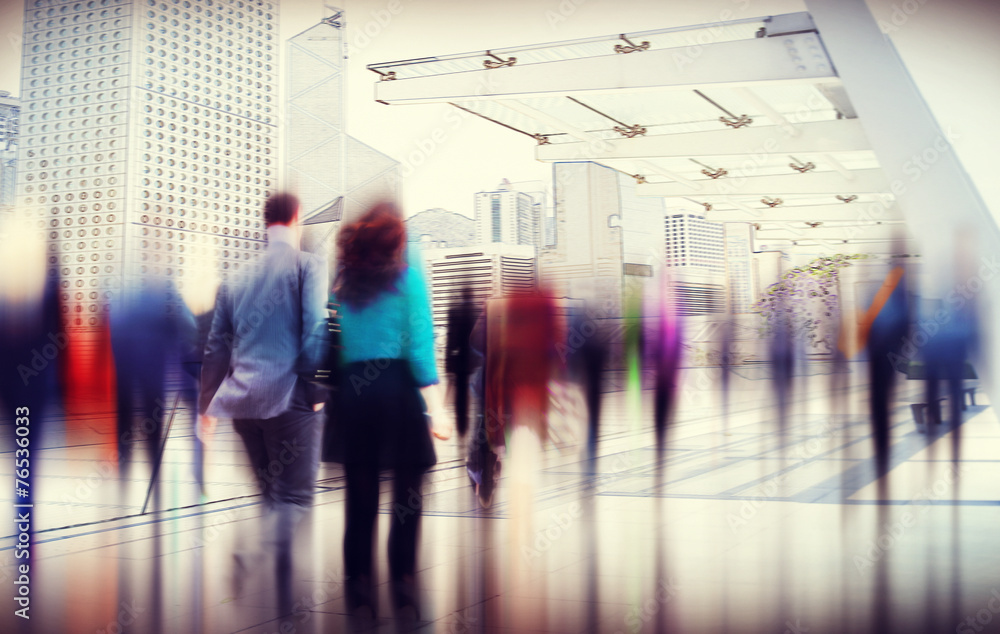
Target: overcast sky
(950, 46)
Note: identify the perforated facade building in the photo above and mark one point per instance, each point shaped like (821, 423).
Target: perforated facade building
(10, 111)
(148, 136)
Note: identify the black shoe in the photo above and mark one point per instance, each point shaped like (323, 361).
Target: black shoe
(488, 481)
(404, 598)
(245, 568)
(360, 595)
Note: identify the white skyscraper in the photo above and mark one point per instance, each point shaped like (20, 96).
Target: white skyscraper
(693, 242)
(148, 138)
(509, 216)
(740, 280)
(324, 162)
(696, 258)
(586, 259)
(605, 242)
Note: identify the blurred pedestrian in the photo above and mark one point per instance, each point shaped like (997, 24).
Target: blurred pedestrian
(388, 356)
(147, 329)
(886, 324)
(267, 332)
(664, 355)
(459, 357)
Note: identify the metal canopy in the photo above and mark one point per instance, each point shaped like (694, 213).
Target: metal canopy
(658, 39)
(753, 125)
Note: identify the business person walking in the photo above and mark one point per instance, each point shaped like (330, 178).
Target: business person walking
(388, 355)
(266, 331)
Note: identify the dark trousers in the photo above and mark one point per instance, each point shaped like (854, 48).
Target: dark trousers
(362, 509)
(284, 456)
(882, 374)
(663, 404)
(661, 411)
(461, 386)
(592, 389)
(190, 391)
(951, 371)
(146, 396)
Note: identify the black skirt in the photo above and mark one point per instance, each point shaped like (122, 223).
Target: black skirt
(379, 418)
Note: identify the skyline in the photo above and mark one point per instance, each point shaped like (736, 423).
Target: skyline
(446, 156)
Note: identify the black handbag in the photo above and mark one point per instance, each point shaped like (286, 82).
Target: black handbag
(329, 375)
(329, 372)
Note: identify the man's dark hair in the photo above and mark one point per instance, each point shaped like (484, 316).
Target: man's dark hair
(280, 208)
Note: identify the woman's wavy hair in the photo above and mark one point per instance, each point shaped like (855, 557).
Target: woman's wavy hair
(370, 254)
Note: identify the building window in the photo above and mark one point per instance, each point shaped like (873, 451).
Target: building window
(495, 217)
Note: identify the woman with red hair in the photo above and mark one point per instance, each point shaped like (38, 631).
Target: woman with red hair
(387, 355)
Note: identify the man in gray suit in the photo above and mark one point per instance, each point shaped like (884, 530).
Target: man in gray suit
(266, 331)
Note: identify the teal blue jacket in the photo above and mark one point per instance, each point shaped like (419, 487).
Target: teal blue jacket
(396, 325)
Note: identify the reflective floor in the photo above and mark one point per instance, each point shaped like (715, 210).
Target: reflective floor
(734, 530)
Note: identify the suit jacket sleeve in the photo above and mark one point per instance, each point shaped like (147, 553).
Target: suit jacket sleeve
(218, 350)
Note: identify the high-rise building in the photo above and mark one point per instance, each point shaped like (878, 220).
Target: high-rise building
(509, 216)
(696, 259)
(148, 138)
(489, 271)
(324, 163)
(606, 241)
(586, 260)
(540, 192)
(693, 242)
(642, 228)
(10, 110)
